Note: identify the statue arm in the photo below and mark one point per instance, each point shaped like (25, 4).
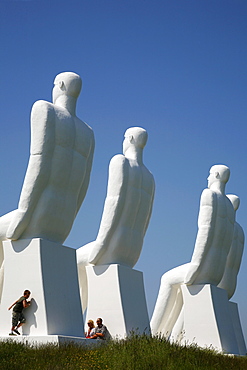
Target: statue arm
(114, 203)
(151, 206)
(38, 170)
(240, 248)
(85, 184)
(206, 225)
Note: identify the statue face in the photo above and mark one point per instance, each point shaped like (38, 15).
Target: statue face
(57, 91)
(126, 143)
(211, 178)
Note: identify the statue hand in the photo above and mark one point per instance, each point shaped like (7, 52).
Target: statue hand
(17, 225)
(191, 274)
(83, 254)
(96, 252)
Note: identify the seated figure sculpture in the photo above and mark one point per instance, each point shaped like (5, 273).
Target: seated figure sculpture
(234, 257)
(126, 213)
(229, 279)
(215, 232)
(58, 172)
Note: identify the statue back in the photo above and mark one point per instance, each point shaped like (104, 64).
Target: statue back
(229, 279)
(213, 264)
(68, 170)
(126, 241)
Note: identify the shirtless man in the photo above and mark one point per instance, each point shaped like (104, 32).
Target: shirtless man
(58, 171)
(215, 232)
(126, 213)
(229, 279)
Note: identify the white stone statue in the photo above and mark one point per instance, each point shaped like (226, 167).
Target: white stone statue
(126, 213)
(229, 279)
(58, 171)
(215, 232)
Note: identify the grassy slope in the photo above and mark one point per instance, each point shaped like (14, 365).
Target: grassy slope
(137, 352)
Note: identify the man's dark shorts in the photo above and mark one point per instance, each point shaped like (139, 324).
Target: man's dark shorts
(17, 317)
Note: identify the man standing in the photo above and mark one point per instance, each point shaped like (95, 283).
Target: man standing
(215, 232)
(18, 318)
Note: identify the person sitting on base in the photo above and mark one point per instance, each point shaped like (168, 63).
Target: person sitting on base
(101, 331)
(17, 315)
(91, 329)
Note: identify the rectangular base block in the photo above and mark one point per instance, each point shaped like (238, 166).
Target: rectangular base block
(49, 271)
(207, 318)
(237, 328)
(116, 294)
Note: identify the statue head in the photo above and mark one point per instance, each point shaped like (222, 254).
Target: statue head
(234, 200)
(135, 136)
(218, 173)
(66, 83)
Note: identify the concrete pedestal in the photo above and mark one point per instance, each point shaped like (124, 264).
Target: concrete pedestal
(237, 328)
(116, 294)
(208, 318)
(49, 271)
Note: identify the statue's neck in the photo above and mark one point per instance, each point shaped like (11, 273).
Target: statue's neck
(67, 102)
(218, 187)
(135, 154)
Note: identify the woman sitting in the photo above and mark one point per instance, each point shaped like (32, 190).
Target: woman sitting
(91, 329)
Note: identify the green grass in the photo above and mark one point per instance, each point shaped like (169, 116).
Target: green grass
(136, 352)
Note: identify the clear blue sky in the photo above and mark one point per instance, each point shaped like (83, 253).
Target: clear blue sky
(176, 68)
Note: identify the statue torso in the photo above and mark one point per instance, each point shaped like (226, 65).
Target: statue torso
(67, 166)
(126, 241)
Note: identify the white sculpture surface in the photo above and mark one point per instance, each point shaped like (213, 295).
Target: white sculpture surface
(52, 279)
(208, 320)
(228, 283)
(215, 231)
(229, 279)
(126, 213)
(117, 293)
(58, 172)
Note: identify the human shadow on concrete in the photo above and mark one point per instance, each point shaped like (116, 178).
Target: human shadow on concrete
(30, 316)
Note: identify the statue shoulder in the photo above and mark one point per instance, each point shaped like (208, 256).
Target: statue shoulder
(119, 160)
(149, 173)
(42, 109)
(88, 127)
(118, 168)
(42, 127)
(240, 232)
(84, 125)
(42, 104)
(208, 197)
